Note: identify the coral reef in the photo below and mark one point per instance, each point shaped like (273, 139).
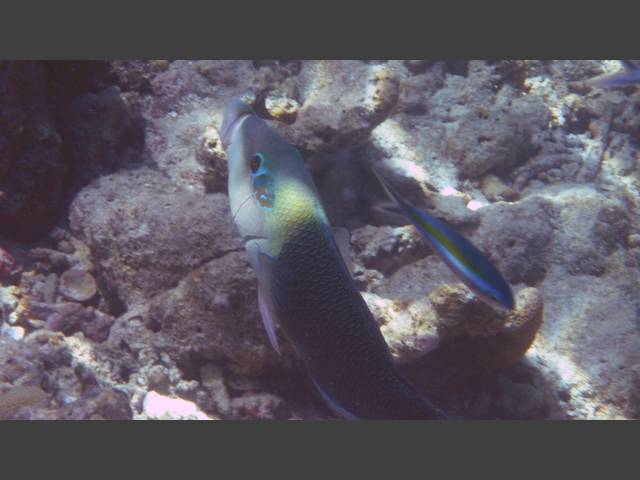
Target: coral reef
(71, 317)
(125, 292)
(144, 236)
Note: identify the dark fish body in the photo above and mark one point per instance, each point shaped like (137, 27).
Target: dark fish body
(336, 335)
(304, 285)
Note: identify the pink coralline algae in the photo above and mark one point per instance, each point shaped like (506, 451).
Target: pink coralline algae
(7, 262)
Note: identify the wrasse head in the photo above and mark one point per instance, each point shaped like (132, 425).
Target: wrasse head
(263, 171)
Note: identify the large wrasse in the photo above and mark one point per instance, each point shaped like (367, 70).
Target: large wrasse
(304, 284)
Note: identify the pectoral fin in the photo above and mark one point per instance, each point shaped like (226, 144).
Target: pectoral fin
(272, 275)
(261, 264)
(266, 312)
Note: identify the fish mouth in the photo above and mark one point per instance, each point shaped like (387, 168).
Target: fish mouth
(247, 238)
(234, 116)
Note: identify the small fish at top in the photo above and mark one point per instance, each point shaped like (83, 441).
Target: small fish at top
(630, 75)
(474, 269)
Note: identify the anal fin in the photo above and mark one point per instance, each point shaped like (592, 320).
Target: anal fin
(263, 265)
(266, 312)
(332, 403)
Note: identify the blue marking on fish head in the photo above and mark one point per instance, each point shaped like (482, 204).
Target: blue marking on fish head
(260, 164)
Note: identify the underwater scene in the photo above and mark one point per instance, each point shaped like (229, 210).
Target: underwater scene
(320, 239)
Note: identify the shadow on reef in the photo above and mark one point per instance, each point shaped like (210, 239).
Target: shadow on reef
(61, 126)
(520, 392)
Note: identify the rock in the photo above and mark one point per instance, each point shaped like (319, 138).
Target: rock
(188, 98)
(516, 238)
(556, 166)
(72, 317)
(71, 253)
(282, 108)
(7, 262)
(100, 404)
(408, 326)
(136, 75)
(495, 189)
(12, 305)
(571, 71)
(387, 248)
(592, 226)
(101, 135)
(341, 103)
(627, 120)
(56, 260)
(222, 72)
(498, 137)
(520, 401)
(416, 279)
(159, 407)
(217, 395)
(425, 78)
(145, 236)
(16, 333)
(256, 406)
(50, 288)
(476, 339)
(420, 313)
(32, 168)
(588, 345)
(41, 358)
(77, 285)
(21, 396)
(456, 304)
(213, 314)
(211, 154)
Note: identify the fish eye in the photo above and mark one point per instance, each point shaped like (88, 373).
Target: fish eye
(256, 162)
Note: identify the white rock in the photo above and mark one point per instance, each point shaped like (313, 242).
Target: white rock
(15, 333)
(160, 407)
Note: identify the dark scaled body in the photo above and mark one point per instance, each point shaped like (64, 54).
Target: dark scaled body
(335, 333)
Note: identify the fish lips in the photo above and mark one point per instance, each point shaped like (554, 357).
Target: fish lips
(234, 115)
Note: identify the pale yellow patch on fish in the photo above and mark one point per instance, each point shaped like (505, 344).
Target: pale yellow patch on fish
(295, 208)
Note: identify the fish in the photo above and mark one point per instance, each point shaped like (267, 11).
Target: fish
(630, 75)
(304, 283)
(468, 263)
